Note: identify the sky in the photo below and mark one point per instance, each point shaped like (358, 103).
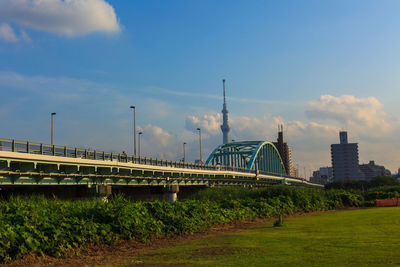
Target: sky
(317, 67)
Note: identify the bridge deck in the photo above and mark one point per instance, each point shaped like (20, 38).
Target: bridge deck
(33, 163)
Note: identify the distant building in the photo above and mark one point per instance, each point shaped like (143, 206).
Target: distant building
(326, 173)
(345, 160)
(285, 153)
(372, 170)
(322, 176)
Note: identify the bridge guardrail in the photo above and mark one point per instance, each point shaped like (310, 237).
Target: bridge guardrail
(20, 146)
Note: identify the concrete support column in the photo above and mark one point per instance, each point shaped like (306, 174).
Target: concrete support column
(104, 190)
(99, 190)
(170, 193)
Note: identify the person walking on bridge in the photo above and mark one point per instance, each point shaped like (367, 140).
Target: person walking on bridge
(124, 157)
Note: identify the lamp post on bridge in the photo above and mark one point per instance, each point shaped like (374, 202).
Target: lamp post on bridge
(201, 159)
(134, 129)
(52, 122)
(184, 152)
(139, 134)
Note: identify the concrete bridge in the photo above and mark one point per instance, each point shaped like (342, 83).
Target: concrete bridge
(26, 164)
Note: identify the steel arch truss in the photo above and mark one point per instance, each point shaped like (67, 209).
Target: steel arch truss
(253, 155)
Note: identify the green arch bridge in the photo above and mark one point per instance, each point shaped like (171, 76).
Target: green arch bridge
(251, 155)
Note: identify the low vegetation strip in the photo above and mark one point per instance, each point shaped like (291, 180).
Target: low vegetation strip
(42, 226)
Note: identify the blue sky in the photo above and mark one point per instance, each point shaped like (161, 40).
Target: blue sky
(90, 60)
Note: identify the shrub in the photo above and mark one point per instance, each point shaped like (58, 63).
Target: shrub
(42, 226)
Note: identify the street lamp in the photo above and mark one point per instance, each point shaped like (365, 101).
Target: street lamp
(134, 129)
(201, 159)
(52, 122)
(184, 152)
(139, 134)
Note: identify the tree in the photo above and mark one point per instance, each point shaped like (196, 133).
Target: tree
(382, 181)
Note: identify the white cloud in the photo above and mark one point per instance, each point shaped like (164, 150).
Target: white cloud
(360, 114)
(7, 33)
(63, 17)
(208, 123)
(158, 136)
(158, 142)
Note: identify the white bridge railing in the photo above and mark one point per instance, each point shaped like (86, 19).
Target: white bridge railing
(19, 146)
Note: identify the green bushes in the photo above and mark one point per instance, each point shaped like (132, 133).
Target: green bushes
(383, 192)
(364, 193)
(362, 185)
(42, 226)
(300, 199)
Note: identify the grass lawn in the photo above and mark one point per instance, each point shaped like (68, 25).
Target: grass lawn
(362, 237)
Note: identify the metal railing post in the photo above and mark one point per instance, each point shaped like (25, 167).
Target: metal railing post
(76, 152)
(13, 145)
(27, 147)
(54, 150)
(41, 149)
(65, 151)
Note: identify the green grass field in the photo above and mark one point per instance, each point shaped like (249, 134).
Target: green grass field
(362, 237)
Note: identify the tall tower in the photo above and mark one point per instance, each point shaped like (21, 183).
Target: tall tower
(225, 126)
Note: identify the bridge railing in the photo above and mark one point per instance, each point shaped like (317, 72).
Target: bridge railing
(20, 146)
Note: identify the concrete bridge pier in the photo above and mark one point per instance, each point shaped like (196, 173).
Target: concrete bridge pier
(170, 193)
(104, 190)
(100, 190)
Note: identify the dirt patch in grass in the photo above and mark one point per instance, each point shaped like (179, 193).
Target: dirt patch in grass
(123, 250)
